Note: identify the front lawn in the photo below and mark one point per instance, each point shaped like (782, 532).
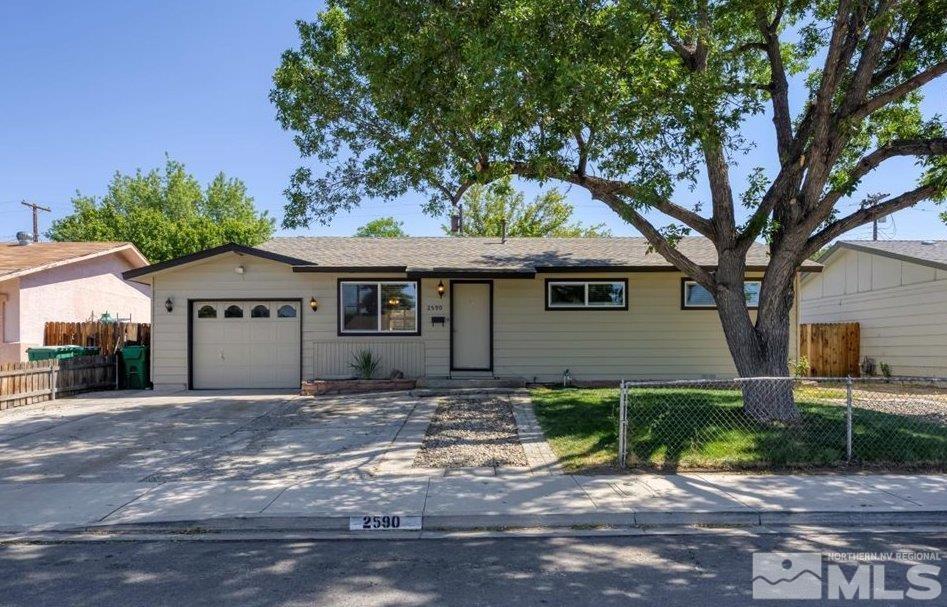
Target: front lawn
(672, 429)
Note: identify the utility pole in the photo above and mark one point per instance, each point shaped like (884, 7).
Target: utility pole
(36, 209)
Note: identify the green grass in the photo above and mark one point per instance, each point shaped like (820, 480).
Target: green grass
(706, 429)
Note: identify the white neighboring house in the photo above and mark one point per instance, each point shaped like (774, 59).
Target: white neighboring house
(896, 290)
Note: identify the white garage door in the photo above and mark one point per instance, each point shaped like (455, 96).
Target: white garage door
(246, 344)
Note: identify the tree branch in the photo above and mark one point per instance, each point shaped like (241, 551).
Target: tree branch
(898, 147)
(896, 92)
(778, 84)
(659, 242)
(867, 215)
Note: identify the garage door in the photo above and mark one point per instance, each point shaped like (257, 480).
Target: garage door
(246, 344)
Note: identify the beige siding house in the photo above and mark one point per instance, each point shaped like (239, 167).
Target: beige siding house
(525, 308)
(896, 291)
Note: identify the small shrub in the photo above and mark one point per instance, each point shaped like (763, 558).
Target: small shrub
(885, 370)
(365, 364)
(800, 367)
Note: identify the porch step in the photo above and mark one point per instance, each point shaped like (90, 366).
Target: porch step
(471, 383)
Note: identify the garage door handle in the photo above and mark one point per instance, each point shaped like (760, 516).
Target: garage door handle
(222, 355)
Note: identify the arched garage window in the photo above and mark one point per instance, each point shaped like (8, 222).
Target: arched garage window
(233, 311)
(207, 312)
(286, 311)
(260, 311)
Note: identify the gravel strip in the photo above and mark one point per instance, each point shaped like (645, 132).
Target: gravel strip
(471, 432)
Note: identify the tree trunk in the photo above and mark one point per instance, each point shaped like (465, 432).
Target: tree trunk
(760, 350)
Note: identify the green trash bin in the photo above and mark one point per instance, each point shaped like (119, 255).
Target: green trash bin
(59, 352)
(135, 363)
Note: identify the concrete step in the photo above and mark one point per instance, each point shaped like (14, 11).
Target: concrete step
(465, 383)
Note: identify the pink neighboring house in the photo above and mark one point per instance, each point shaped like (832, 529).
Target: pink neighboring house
(66, 282)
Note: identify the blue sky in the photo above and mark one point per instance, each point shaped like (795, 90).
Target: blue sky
(92, 87)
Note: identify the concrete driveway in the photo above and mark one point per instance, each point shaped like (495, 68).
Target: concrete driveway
(206, 435)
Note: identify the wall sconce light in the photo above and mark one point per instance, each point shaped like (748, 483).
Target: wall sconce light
(313, 303)
(240, 269)
(441, 289)
(169, 305)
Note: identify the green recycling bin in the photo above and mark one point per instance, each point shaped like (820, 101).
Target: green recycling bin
(135, 362)
(59, 352)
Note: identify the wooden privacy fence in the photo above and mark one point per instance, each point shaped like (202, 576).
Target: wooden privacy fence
(33, 382)
(832, 348)
(108, 336)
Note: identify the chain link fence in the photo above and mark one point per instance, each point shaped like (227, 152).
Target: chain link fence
(783, 423)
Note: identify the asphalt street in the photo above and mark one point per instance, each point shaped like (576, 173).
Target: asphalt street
(694, 570)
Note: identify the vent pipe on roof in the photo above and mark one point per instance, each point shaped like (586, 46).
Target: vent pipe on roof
(503, 232)
(23, 238)
(927, 242)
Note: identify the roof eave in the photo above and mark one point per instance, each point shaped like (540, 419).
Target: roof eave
(212, 252)
(889, 254)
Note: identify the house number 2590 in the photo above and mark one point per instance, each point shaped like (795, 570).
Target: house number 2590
(435, 307)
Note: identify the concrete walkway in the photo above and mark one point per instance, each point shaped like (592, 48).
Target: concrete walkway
(474, 503)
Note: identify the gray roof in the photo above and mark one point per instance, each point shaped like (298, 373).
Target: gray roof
(932, 253)
(491, 255)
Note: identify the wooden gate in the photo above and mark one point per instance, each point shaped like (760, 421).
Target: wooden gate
(832, 348)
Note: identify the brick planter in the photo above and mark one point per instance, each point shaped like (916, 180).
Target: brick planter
(315, 387)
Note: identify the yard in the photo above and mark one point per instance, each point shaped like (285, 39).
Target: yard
(706, 429)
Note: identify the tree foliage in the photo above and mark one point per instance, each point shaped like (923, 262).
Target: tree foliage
(383, 227)
(628, 99)
(486, 207)
(166, 213)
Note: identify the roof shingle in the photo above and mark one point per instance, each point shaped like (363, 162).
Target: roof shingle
(16, 259)
(490, 254)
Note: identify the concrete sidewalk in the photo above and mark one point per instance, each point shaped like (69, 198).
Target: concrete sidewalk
(466, 502)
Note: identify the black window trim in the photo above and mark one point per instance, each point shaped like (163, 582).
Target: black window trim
(684, 306)
(585, 307)
(360, 280)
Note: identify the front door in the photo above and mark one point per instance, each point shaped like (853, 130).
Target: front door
(471, 325)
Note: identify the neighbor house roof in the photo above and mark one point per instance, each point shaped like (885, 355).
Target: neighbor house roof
(447, 256)
(931, 253)
(19, 260)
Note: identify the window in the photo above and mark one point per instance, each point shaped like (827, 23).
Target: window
(696, 296)
(233, 311)
(207, 312)
(378, 307)
(586, 295)
(286, 311)
(260, 311)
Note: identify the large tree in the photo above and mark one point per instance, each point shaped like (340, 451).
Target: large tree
(166, 213)
(489, 209)
(630, 100)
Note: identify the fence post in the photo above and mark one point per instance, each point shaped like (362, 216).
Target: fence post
(622, 425)
(848, 419)
(53, 379)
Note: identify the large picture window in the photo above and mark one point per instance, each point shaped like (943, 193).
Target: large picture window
(694, 296)
(586, 295)
(378, 306)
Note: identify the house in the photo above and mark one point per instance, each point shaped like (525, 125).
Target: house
(64, 281)
(896, 290)
(531, 308)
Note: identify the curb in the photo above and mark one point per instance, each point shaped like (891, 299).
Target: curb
(550, 521)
